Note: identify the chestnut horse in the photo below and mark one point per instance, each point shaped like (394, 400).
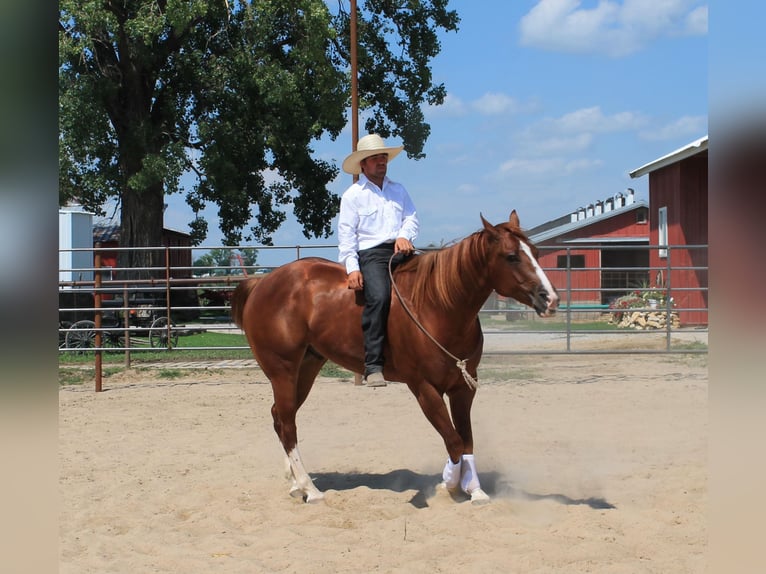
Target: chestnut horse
(302, 314)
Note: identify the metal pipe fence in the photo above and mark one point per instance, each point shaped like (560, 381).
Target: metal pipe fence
(181, 311)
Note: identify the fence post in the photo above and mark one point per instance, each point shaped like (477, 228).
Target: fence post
(97, 318)
(126, 322)
(668, 304)
(169, 325)
(569, 299)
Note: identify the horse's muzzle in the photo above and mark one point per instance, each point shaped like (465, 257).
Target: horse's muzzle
(544, 303)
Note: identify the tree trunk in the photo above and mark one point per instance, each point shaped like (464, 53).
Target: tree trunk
(141, 226)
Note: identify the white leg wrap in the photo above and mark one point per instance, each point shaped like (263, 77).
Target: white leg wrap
(451, 474)
(469, 479)
(302, 481)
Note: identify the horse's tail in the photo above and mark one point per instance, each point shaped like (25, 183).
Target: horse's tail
(239, 297)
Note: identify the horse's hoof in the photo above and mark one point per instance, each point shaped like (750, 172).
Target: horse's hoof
(478, 496)
(444, 486)
(296, 492)
(314, 497)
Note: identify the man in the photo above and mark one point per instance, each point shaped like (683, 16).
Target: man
(377, 220)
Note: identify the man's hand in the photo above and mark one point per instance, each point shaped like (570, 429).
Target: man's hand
(404, 246)
(355, 281)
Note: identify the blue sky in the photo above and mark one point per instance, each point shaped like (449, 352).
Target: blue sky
(550, 105)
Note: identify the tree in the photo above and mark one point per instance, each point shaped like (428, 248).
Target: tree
(224, 260)
(235, 92)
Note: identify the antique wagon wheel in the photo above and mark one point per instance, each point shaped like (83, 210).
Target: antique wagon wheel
(81, 335)
(158, 333)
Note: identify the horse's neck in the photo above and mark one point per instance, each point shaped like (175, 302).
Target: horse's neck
(478, 293)
(475, 290)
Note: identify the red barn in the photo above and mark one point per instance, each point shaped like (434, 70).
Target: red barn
(597, 253)
(108, 234)
(678, 196)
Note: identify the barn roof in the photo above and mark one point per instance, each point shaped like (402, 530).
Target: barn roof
(695, 147)
(557, 231)
(106, 231)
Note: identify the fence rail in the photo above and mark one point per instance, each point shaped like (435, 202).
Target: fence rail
(131, 311)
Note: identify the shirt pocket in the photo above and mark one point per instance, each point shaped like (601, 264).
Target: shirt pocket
(367, 210)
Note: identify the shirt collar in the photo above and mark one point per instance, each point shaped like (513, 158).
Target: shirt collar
(364, 181)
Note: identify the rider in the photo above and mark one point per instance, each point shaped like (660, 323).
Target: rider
(377, 219)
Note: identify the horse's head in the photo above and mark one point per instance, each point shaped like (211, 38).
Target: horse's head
(513, 267)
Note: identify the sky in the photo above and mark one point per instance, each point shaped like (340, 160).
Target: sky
(550, 105)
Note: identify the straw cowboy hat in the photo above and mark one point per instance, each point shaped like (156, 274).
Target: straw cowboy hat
(369, 145)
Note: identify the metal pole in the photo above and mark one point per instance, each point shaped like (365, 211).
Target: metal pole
(354, 110)
(169, 325)
(126, 322)
(97, 318)
(569, 299)
(354, 83)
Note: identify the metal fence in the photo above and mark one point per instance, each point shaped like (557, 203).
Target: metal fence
(132, 312)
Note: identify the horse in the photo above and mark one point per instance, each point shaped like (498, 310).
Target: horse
(302, 314)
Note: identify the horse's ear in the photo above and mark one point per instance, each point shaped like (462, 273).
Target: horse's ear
(514, 219)
(488, 226)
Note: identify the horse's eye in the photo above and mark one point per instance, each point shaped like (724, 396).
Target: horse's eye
(512, 258)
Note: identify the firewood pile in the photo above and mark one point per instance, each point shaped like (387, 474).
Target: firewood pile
(644, 319)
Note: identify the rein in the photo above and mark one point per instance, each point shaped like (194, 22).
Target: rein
(461, 363)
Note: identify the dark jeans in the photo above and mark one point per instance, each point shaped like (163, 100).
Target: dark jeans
(373, 263)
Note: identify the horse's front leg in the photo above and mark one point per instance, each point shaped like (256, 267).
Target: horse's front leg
(460, 468)
(464, 471)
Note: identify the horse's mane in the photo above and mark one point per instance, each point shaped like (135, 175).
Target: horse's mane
(445, 277)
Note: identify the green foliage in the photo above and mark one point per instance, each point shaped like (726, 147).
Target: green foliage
(226, 261)
(330, 369)
(79, 375)
(170, 374)
(235, 93)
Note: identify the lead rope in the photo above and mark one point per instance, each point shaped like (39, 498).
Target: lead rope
(461, 363)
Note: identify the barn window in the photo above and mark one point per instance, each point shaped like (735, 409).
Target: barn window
(642, 215)
(575, 261)
(662, 227)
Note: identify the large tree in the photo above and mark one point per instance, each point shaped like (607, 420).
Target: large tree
(236, 93)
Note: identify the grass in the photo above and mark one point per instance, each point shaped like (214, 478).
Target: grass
(78, 376)
(332, 370)
(170, 373)
(143, 353)
(557, 324)
(691, 346)
(497, 373)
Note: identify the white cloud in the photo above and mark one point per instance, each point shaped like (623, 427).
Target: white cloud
(593, 120)
(547, 167)
(611, 28)
(453, 106)
(468, 189)
(685, 126)
(582, 164)
(488, 104)
(527, 166)
(493, 104)
(557, 144)
(696, 22)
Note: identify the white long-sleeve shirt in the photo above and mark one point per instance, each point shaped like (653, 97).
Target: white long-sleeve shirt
(370, 216)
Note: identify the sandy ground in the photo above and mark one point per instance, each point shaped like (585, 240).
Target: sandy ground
(594, 464)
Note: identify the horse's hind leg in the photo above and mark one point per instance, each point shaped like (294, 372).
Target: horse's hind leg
(287, 400)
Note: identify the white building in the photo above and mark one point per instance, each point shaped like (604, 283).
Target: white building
(75, 232)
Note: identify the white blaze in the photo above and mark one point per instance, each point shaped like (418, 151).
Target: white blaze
(553, 298)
